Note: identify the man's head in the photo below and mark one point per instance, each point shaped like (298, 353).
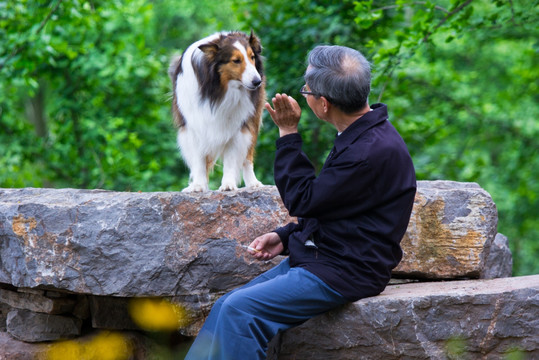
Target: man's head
(341, 74)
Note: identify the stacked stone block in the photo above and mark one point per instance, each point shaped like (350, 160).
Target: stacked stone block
(71, 260)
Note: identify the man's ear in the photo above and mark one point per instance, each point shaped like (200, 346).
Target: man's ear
(325, 104)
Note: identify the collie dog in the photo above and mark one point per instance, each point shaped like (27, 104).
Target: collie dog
(218, 96)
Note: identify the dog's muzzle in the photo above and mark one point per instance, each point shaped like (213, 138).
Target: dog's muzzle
(255, 84)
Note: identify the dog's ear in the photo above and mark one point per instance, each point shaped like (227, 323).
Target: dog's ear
(175, 68)
(210, 50)
(254, 42)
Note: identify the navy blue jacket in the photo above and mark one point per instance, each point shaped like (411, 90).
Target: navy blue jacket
(355, 211)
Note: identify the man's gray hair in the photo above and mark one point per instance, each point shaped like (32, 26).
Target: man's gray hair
(340, 74)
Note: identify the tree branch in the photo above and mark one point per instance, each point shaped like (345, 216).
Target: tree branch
(409, 4)
(443, 21)
(44, 22)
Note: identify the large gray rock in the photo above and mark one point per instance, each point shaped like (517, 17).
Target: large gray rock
(450, 232)
(30, 326)
(188, 245)
(133, 244)
(473, 319)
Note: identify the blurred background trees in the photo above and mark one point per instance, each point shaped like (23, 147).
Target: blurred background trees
(85, 95)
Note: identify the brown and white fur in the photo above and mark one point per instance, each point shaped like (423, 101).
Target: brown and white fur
(218, 97)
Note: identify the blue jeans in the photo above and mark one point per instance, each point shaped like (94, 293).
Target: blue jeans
(242, 322)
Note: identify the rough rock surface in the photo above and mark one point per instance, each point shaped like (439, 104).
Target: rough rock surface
(133, 244)
(190, 244)
(31, 326)
(36, 302)
(473, 319)
(450, 233)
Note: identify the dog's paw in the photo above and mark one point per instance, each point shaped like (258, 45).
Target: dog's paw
(196, 188)
(228, 187)
(254, 184)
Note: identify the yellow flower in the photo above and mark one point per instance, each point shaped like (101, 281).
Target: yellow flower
(155, 314)
(104, 346)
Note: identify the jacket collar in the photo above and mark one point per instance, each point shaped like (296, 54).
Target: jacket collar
(358, 127)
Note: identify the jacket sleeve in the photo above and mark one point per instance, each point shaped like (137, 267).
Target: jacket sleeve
(284, 233)
(339, 191)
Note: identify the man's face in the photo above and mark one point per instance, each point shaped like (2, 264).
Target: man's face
(315, 103)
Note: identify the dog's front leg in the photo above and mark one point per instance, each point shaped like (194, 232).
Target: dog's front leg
(231, 174)
(196, 161)
(198, 180)
(233, 156)
(249, 177)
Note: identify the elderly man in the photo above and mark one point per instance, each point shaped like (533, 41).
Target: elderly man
(351, 217)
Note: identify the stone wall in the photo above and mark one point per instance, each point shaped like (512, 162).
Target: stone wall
(71, 261)
(472, 319)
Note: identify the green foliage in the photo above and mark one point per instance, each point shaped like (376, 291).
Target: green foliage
(85, 96)
(89, 60)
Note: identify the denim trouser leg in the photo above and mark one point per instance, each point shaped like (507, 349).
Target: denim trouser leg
(242, 322)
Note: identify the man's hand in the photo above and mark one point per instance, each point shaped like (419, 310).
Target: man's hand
(268, 246)
(286, 114)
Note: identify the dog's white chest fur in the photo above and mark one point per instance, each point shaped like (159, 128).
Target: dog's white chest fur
(219, 124)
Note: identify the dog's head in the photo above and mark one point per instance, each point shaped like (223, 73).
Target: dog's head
(236, 57)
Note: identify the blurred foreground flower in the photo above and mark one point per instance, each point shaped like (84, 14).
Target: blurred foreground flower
(106, 345)
(154, 314)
